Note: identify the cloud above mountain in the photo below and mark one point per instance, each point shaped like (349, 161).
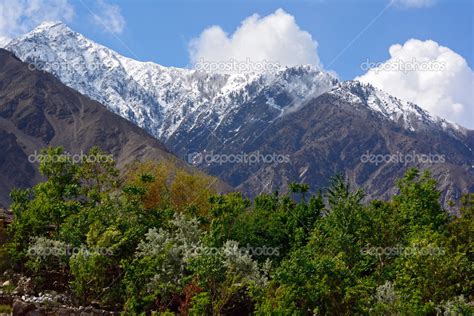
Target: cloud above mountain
(414, 3)
(18, 17)
(109, 17)
(273, 39)
(430, 75)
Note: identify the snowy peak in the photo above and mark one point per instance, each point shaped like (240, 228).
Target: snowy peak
(47, 25)
(407, 114)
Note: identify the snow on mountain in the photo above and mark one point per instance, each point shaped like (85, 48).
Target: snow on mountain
(4, 41)
(167, 100)
(407, 114)
(157, 98)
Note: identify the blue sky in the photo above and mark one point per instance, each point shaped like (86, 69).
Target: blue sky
(160, 31)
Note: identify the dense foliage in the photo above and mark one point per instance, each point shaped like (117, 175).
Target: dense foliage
(158, 239)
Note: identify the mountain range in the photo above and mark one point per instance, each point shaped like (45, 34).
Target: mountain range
(37, 110)
(297, 124)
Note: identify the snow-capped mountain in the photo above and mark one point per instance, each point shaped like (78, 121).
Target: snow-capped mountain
(407, 114)
(163, 100)
(198, 111)
(37, 110)
(159, 99)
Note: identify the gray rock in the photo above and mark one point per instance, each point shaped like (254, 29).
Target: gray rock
(21, 308)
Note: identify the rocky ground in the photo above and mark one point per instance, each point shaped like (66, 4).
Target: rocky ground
(19, 293)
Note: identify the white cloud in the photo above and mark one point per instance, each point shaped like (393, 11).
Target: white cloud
(17, 17)
(273, 39)
(414, 3)
(20, 16)
(429, 75)
(109, 17)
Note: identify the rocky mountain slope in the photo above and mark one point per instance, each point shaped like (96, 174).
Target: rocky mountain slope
(319, 124)
(37, 110)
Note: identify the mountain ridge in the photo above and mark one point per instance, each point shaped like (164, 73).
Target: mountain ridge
(60, 41)
(37, 110)
(193, 111)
